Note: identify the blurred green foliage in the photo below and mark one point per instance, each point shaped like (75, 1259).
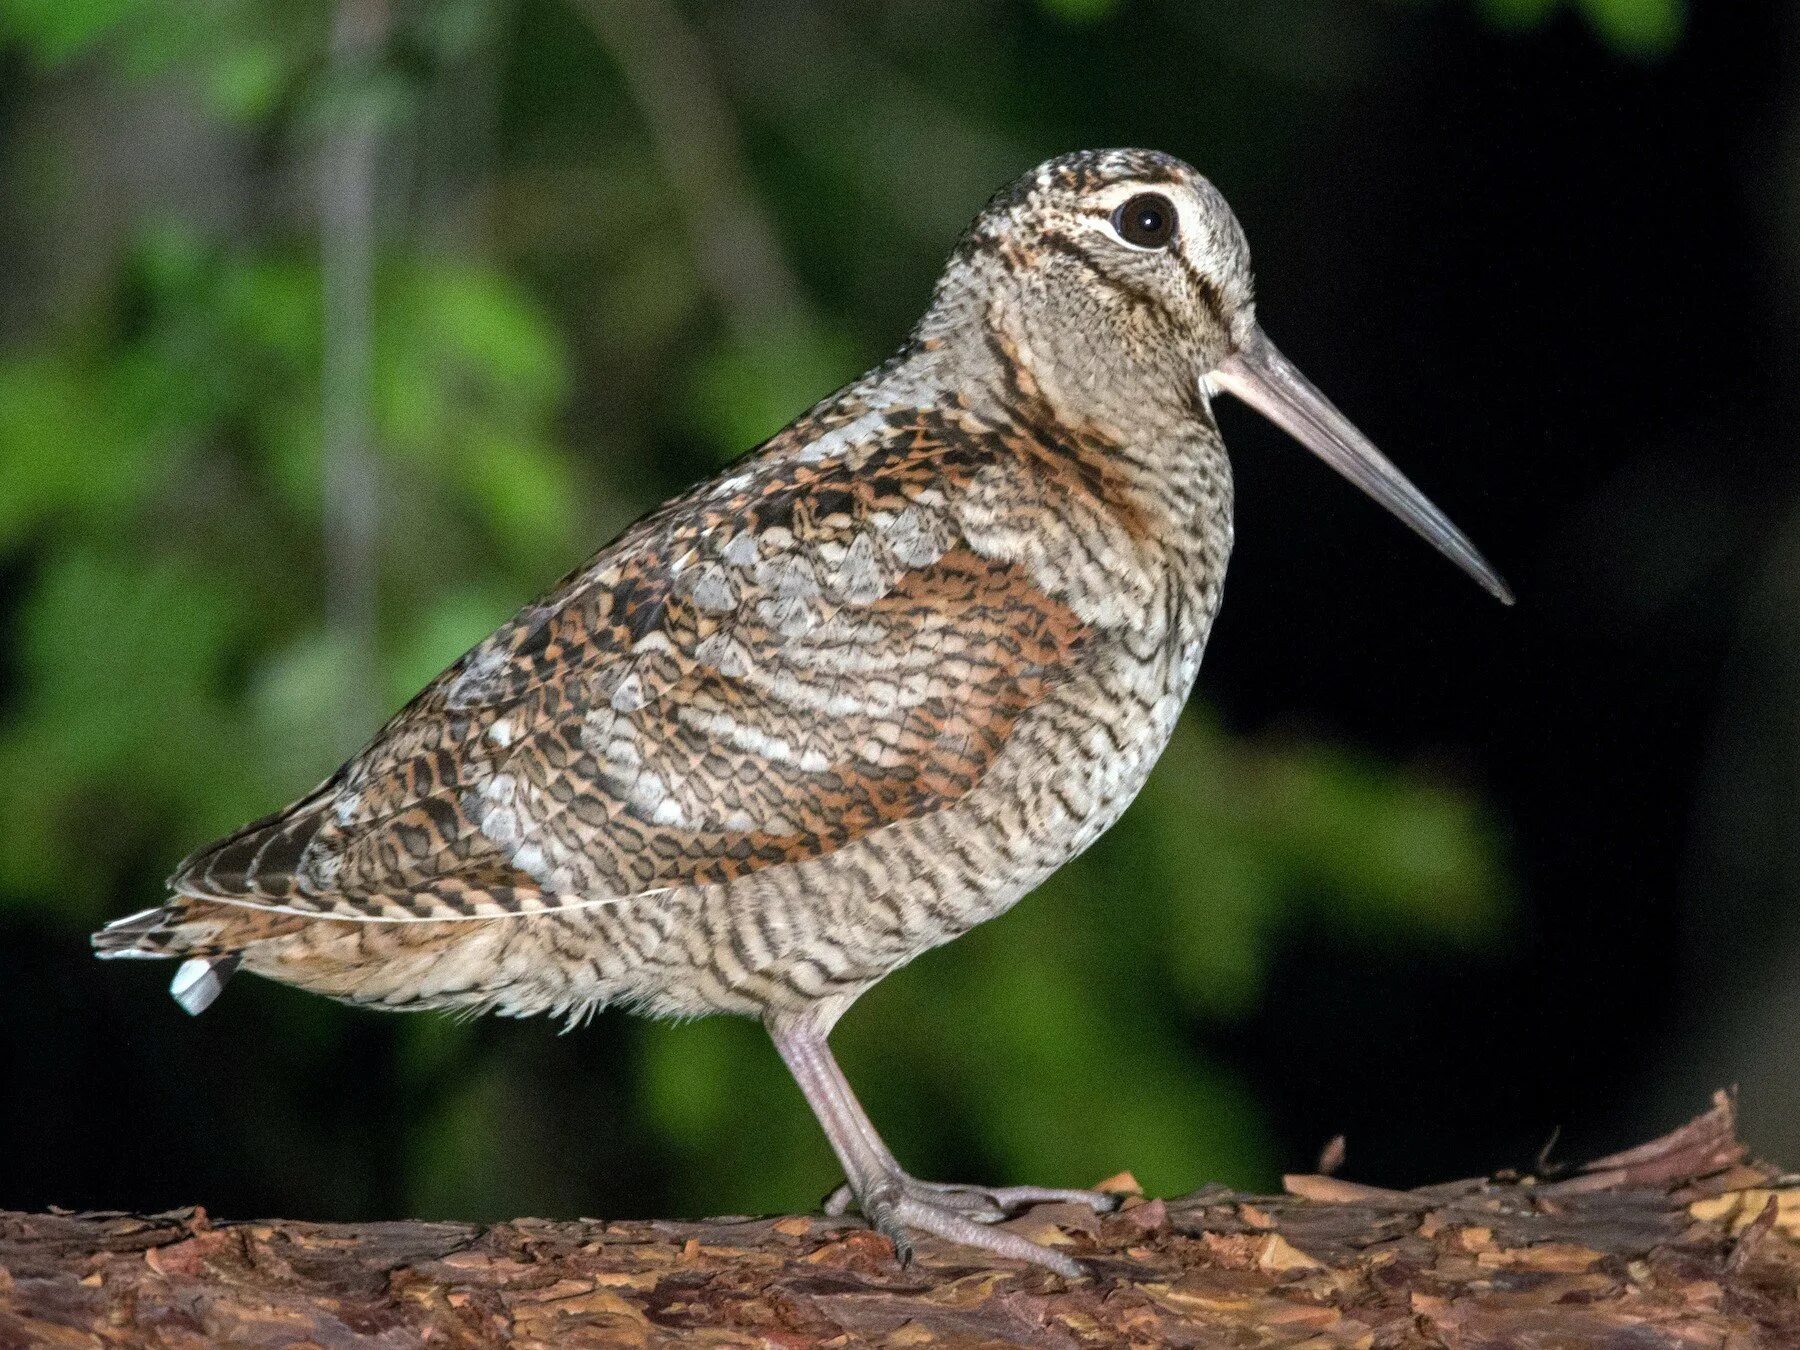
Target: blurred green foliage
(1641, 27)
(539, 378)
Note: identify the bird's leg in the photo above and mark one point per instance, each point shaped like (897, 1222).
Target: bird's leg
(889, 1199)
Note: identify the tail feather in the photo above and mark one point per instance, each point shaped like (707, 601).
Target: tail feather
(170, 931)
(200, 980)
(451, 964)
(150, 934)
(130, 939)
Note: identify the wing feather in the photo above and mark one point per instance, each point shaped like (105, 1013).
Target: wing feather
(783, 661)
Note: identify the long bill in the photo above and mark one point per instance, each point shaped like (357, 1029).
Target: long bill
(1265, 379)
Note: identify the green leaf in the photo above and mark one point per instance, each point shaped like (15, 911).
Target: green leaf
(1081, 11)
(1383, 852)
(746, 389)
(58, 30)
(246, 79)
(525, 493)
(1641, 27)
(117, 718)
(1519, 14)
(297, 706)
(462, 349)
(64, 448)
(443, 631)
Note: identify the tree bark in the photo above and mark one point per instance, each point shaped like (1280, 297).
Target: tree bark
(1682, 1242)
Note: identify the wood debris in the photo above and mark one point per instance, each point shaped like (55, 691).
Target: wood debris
(1683, 1243)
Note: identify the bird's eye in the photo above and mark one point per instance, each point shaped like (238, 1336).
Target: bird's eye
(1146, 221)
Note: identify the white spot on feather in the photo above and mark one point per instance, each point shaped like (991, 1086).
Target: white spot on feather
(668, 812)
(477, 681)
(792, 586)
(629, 696)
(712, 590)
(648, 791)
(857, 577)
(912, 539)
(494, 810)
(838, 439)
(789, 617)
(724, 654)
(597, 729)
(320, 864)
(198, 982)
(727, 487)
(530, 859)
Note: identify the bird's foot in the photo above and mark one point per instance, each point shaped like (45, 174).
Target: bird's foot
(962, 1214)
(983, 1204)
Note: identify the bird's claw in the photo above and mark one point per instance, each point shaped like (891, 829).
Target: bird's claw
(963, 1214)
(895, 1233)
(983, 1204)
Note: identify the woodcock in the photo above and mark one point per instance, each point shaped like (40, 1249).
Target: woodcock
(834, 707)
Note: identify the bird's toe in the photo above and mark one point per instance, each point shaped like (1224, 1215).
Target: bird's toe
(954, 1226)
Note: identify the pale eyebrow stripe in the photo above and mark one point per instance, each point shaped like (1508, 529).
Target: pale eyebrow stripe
(1210, 294)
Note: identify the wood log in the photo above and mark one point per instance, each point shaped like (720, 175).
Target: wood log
(1683, 1242)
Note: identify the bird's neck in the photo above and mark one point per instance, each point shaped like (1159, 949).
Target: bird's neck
(1129, 524)
(1148, 451)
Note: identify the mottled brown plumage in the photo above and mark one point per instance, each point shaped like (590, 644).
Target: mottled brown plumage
(833, 708)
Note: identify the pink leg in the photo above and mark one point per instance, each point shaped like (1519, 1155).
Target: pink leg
(889, 1199)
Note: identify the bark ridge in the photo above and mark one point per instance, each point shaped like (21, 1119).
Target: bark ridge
(1683, 1243)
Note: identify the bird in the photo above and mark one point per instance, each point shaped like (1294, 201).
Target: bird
(860, 692)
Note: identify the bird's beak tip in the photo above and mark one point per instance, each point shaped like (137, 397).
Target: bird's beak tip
(1261, 376)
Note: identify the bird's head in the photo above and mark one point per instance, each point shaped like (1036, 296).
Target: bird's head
(1118, 284)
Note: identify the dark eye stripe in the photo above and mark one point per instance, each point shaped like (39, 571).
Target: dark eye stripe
(1057, 242)
(1210, 294)
(1208, 289)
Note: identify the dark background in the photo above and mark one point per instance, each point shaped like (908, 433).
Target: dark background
(1432, 873)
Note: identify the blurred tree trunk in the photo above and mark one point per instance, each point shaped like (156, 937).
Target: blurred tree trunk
(1679, 1243)
(350, 162)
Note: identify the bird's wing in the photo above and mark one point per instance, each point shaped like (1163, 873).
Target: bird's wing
(782, 661)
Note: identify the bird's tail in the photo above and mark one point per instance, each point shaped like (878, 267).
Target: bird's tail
(173, 931)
